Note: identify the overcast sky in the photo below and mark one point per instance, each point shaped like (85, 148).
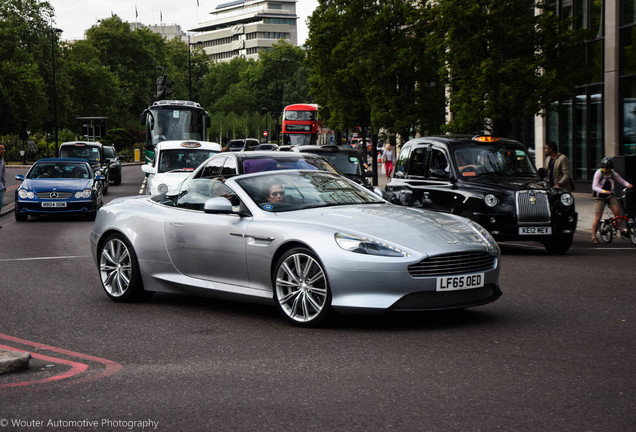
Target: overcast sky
(76, 16)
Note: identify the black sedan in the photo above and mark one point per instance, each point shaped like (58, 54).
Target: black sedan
(489, 180)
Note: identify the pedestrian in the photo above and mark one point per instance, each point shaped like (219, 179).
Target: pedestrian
(388, 158)
(3, 177)
(603, 186)
(558, 167)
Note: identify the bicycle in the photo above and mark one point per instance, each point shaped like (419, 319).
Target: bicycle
(613, 225)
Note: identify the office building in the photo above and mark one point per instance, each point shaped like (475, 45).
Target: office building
(244, 28)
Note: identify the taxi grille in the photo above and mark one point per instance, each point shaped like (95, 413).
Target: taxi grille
(60, 195)
(533, 206)
(455, 263)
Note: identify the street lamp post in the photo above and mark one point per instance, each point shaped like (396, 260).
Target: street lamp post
(53, 31)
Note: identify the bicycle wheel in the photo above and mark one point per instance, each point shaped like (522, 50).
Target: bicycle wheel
(632, 231)
(605, 231)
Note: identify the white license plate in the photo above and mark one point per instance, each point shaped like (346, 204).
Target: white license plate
(535, 230)
(452, 283)
(54, 204)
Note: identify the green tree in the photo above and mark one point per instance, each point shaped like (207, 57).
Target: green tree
(25, 50)
(501, 61)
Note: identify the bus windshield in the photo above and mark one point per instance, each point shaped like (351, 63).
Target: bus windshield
(176, 124)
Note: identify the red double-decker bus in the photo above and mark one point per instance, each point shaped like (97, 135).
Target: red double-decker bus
(300, 124)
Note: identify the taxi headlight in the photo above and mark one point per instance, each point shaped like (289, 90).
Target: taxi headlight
(567, 199)
(353, 243)
(162, 188)
(24, 194)
(491, 200)
(86, 193)
(486, 237)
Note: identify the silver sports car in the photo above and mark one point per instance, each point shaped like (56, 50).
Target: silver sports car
(308, 241)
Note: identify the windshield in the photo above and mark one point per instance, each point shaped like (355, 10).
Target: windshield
(300, 115)
(183, 159)
(273, 163)
(59, 170)
(299, 139)
(176, 124)
(346, 163)
(109, 152)
(295, 190)
(501, 160)
(91, 154)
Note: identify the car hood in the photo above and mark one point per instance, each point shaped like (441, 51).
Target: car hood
(171, 179)
(490, 183)
(56, 184)
(420, 230)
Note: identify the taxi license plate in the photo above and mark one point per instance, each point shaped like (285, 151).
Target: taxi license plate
(54, 204)
(452, 283)
(535, 230)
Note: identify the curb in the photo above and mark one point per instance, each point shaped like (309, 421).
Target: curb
(12, 361)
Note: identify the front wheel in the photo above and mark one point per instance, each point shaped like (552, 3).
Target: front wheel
(632, 231)
(119, 270)
(301, 289)
(606, 231)
(558, 245)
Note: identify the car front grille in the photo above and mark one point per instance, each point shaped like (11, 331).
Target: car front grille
(533, 207)
(455, 263)
(60, 195)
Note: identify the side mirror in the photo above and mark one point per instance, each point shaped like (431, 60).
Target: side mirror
(148, 169)
(542, 173)
(218, 205)
(19, 177)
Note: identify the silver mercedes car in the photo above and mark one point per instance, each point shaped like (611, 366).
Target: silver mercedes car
(311, 242)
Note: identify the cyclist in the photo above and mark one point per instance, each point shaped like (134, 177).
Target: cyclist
(603, 192)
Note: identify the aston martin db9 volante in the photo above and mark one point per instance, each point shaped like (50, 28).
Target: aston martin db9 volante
(311, 242)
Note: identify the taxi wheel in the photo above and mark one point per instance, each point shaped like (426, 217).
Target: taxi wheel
(558, 245)
(119, 270)
(301, 289)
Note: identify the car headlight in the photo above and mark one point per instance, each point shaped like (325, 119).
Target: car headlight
(486, 237)
(353, 243)
(162, 188)
(86, 193)
(24, 194)
(567, 199)
(491, 200)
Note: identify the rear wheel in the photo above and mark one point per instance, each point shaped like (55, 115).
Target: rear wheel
(301, 289)
(119, 270)
(605, 231)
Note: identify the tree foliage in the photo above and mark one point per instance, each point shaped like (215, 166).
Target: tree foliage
(501, 60)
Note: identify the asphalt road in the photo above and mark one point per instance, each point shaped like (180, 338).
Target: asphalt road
(556, 352)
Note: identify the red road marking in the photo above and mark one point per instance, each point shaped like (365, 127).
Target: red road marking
(77, 368)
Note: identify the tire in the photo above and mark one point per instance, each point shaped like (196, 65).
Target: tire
(119, 270)
(21, 217)
(558, 245)
(605, 231)
(301, 289)
(632, 231)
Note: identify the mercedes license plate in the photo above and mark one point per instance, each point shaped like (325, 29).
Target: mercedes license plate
(54, 204)
(451, 283)
(546, 230)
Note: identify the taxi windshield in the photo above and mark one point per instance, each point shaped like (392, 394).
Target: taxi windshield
(507, 161)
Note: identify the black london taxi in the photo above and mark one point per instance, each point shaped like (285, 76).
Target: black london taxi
(489, 180)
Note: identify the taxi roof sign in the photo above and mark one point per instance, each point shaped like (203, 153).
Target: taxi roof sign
(485, 138)
(190, 144)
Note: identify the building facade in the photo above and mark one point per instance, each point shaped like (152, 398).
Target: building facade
(244, 28)
(600, 120)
